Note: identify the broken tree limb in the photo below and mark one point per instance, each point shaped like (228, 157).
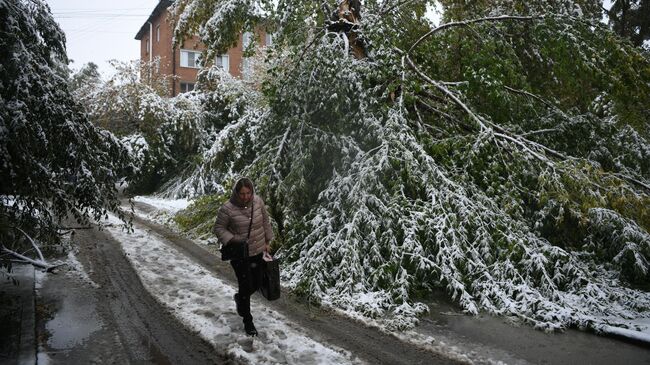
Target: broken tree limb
(34, 245)
(445, 91)
(383, 11)
(525, 147)
(520, 140)
(632, 180)
(540, 131)
(39, 263)
(480, 121)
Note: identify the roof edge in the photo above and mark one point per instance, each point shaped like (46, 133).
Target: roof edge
(161, 7)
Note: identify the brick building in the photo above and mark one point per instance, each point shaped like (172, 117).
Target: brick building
(155, 38)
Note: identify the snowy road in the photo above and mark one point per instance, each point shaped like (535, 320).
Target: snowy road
(152, 296)
(197, 289)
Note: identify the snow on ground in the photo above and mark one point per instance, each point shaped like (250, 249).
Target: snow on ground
(631, 334)
(165, 209)
(640, 331)
(164, 212)
(412, 336)
(77, 270)
(205, 304)
(171, 206)
(422, 341)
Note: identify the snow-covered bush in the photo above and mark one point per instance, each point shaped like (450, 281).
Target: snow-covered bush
(163, 134)
(198, 219)
(230, 112)
(119, 103)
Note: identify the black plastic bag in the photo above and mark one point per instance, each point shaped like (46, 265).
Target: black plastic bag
(270, 286)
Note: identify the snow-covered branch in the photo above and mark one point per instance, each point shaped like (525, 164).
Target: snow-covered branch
(446, 92)
(38, 263)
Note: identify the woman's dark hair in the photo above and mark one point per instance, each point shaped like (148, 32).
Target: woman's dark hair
(244, 182)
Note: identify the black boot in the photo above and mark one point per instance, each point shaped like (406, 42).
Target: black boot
(249, 327)
(238, 305)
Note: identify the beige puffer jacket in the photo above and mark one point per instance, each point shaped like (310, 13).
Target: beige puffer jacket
(233, 220)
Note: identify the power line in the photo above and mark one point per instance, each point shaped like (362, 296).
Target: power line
(93, 31)
(96, 25)
(80, 10)
(99, 16)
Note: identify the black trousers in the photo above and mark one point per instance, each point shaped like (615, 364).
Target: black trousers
(249, 278)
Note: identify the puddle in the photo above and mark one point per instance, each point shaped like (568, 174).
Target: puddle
(71, 317)
(74, 321)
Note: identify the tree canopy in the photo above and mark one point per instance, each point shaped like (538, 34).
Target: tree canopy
(54, 163)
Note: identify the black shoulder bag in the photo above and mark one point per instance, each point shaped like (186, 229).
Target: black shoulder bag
(237, 249)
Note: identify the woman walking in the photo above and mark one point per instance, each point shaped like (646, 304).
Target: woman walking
(244, 219)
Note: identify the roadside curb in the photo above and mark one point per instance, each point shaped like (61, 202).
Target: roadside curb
(21, 314)
(28, 320)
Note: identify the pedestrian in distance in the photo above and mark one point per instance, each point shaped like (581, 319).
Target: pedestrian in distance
(244, 220)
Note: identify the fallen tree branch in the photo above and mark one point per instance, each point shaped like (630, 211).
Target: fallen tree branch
(540, 131)
(444, 90)
(503, 133)
(548, 150)
(421, 123)
(39, 263)
(525, 147)
(454, 83)
(531, 95)
(295, 64)
(436, 110)
(38, 250)
(451, 118)
(428, 94)
(399, 4)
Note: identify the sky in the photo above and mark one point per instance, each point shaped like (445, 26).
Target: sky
(98, 31)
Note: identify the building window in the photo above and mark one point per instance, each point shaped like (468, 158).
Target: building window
(268, 39)
(187, 87)
(146, 45)
(190, 59)
(158, 34)
(223, 62)
(247, 38)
